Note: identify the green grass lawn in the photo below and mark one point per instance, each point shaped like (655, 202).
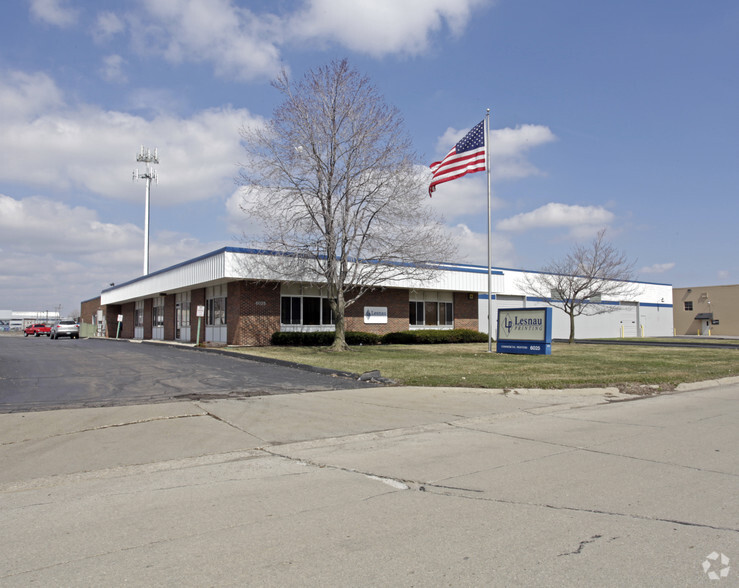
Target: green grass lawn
(569, 366)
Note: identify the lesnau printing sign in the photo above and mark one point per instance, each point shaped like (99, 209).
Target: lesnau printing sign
(375, 315)
(525, 330)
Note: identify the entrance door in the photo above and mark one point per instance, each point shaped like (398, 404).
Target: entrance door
(182, 317)
(705, 327)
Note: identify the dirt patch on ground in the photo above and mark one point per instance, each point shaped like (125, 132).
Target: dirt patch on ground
(644, 389)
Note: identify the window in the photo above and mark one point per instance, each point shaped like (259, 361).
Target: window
(215, 305)
(446, 313)
(416, 313)
(431, 309)
(688, 305)
(215, 311)
(328, 314)
(311, 310)
(290, 310)
(138, 314)
(182, 309)
(157, 315)
(305, 306)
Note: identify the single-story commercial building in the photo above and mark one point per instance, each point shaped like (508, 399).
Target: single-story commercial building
(706, 310)
(243, 307)
(17, 320)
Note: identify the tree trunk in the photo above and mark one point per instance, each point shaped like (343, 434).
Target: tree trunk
(339, 343)
(572, 327)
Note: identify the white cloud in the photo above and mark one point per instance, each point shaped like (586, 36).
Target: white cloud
(24, 95)
(657, 268)
(238, 223)
(235, 41)
(112, 69)
(463, 197)
(381, 27)
(242, 44)
(582, 221)
(69, 255)
(508, 148)
(107, 25)
(85, 147)
(53, 12)
(473, 247)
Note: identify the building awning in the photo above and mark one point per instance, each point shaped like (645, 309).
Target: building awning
(703, 316)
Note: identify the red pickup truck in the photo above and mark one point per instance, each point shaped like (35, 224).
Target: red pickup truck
(37, 330)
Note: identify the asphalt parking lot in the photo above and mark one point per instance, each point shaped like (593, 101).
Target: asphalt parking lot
(40, 374)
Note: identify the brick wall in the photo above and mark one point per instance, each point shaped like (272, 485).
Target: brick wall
(127, 310)
(88, 310)
(148, 317)
(111, 319)
(169, 317)
(396, 302)
(253, 312)
(465, 311)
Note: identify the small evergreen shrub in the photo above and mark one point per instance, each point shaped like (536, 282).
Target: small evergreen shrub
(290, 339)
(422, 337)
(360, 338)
(322, 339)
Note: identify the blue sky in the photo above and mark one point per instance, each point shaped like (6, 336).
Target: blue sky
(604, 114)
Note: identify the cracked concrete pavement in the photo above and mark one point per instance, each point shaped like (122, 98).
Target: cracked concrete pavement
(380, 486)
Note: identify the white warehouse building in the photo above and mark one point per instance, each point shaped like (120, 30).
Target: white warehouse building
(246, 307)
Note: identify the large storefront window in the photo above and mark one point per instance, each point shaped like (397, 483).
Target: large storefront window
(431, 309)
(303, 305)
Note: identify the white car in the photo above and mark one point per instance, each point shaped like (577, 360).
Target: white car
(65, 328)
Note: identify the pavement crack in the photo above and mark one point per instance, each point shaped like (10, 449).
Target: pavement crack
(226, 422)
(596, 511)
(596, 451)
(394, 482)
(107, 426)
(580, 547)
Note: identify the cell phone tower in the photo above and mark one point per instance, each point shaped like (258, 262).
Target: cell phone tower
(150, 159)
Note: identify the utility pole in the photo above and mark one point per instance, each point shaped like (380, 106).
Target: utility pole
(146, 156)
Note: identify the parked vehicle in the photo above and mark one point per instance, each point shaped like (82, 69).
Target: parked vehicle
(65, 328)
(37, 330)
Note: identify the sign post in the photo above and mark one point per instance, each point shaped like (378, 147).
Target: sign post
(118, 331)
(200, 313)
(525, 330)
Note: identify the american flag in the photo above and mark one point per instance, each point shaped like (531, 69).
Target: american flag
(466, 157)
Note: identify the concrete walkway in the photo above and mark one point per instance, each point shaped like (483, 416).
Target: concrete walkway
(383, 486)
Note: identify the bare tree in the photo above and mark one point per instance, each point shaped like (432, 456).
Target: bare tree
(336, 188)
(584, 280)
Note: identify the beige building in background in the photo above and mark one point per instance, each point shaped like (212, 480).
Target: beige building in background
(705, 310)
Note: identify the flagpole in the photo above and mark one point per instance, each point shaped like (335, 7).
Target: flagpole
(490, 238)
